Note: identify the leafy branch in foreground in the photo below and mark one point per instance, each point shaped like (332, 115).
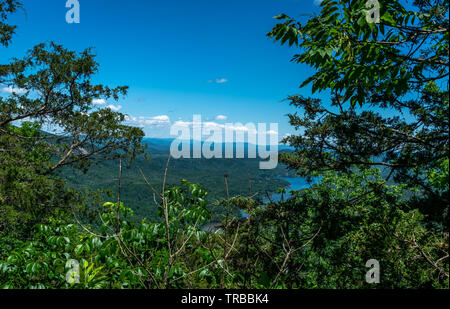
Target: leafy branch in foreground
(7, 7)
(396, 70)
(387, 108)
(51, 87)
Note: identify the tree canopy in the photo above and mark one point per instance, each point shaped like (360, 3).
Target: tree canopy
(51, 87)
(388, 87)
(7, 7)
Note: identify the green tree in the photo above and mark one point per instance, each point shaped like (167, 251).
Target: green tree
(51, 86)
(388, 109)
(7, 7)
(322, 237)
(400, 64)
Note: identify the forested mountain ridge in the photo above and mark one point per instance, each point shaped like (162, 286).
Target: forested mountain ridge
(208, 173)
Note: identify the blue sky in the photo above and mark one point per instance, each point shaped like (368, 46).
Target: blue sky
(207, 57)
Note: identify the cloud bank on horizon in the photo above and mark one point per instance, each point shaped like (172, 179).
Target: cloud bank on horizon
(160, 127)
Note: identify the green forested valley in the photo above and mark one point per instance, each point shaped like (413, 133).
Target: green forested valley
(244, 178)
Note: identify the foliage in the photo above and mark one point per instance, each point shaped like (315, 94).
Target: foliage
(28, 197)
(52, 86)
(318, 238)
(368, 63)
(7, 31)
(171, 253)
(397, 72)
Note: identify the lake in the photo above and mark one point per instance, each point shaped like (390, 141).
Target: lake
(296, 184)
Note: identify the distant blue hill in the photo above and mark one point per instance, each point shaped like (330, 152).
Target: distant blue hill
(163, 145)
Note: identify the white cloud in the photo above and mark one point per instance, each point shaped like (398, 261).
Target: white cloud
(241, 127)
(218, 81)
(12, 90)
(210, 125)
(242, 132)
(102, 102)
(182, 123)
(221, 118)
(162, 120)
(99, 102)
(157, 120)
(114, 108)
(160, 126)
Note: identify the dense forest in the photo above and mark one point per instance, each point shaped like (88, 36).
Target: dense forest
(379, 150)
(209, 173)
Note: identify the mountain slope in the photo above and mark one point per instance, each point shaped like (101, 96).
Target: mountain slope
(208, 173)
